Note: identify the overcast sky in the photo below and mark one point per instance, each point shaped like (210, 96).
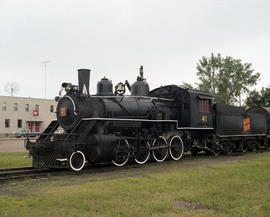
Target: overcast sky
(114, 37)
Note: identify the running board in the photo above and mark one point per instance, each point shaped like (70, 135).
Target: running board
(61, 159)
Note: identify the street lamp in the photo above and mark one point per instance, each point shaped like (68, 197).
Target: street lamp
(45, 62)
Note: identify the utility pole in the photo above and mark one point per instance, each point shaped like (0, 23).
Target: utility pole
(45, 62)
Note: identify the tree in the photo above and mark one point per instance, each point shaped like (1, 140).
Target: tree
(227, 77)
(12, 88)
(258, 98)
(187, 85)
(207, 71)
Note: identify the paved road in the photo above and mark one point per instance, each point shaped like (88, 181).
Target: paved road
(12, 145)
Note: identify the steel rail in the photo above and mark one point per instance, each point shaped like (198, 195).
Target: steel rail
(21, 173)
(30, 172)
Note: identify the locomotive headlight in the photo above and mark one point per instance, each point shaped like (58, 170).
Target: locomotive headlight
(67, 86)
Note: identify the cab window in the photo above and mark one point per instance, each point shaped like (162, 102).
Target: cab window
(204, 106)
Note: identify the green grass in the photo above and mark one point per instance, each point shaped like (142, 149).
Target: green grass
(12, 160)
(239, 188)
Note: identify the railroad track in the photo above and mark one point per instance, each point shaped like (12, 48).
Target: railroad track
(23, 172)
(30, 172)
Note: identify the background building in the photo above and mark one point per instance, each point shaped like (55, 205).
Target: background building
(18, 113)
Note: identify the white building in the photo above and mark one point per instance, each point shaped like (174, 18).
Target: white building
(18, 113)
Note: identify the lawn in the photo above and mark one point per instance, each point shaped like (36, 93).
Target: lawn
(204, 187)
(12, 160)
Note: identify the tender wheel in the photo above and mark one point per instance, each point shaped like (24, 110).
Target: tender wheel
(253, 146)
(121, 153)
(243, 147)
(227, 148)
(216, 152)
(144, 153)
(267, 145)
(176, 147)
(76, 161)
(160, 149)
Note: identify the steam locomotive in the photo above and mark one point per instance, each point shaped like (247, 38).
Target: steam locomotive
(162, 123)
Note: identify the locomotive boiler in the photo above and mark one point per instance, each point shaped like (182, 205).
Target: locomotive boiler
(162, 123)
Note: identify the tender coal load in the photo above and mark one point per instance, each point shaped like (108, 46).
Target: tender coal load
(104, 87)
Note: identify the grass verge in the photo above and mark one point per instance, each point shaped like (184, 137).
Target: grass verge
(232, 188)
(15, 159)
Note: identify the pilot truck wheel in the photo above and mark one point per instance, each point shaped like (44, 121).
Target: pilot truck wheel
(76, 161)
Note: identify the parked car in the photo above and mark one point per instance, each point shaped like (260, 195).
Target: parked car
(26, 133)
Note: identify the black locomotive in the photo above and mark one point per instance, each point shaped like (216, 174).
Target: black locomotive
(162, 123)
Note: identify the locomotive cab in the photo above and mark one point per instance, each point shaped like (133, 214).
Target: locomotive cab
(195, 108)
(201, 105)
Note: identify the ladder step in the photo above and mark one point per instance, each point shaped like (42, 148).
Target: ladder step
(50, 129)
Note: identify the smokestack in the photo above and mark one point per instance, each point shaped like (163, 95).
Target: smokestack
(84, 78)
